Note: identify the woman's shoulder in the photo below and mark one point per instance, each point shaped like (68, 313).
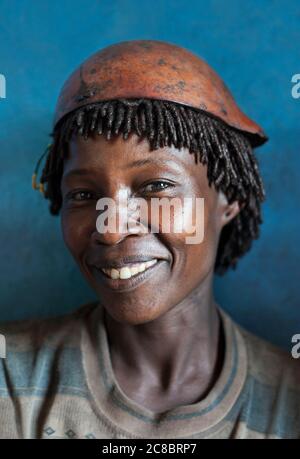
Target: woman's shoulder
(41, 355)
(34, 333)
(270, 364)
(271, 396)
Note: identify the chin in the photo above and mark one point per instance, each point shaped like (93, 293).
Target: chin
(133, 313)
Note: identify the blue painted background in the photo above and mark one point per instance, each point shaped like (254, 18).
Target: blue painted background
(253, 45)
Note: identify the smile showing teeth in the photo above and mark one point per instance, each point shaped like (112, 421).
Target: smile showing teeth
(126, 272)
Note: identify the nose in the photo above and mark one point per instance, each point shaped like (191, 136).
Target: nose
(115, 222)
(110, 237)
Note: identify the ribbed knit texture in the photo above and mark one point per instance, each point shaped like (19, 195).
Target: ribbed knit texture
(57, 381)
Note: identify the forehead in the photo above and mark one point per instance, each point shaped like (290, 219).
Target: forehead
(99, 154)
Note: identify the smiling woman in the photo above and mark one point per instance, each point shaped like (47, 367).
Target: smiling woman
(155, 356)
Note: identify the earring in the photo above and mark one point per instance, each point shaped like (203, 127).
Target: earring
(39, 186)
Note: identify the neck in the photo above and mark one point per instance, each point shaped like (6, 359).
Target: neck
(180, 346)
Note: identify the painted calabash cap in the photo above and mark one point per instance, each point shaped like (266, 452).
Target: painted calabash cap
(154, 70)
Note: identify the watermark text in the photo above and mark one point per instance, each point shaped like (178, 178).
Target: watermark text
(2, 86)
(157, 215)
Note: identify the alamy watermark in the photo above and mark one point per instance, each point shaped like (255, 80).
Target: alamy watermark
(2, 96)
(296, 86)
(162, 215)
(296, 347)
(2, 347)
(2, 86)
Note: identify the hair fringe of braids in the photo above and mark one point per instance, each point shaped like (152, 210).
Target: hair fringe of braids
(231, 164)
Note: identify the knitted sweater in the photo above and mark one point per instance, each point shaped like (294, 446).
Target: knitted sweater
(57, 381)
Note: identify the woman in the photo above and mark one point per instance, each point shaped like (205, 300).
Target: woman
(155, 356)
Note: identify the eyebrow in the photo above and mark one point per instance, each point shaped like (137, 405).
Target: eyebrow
(137, 163)
(145, 161)
(77, 172)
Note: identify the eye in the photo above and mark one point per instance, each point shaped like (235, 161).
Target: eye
(80, 195)
(156, 186)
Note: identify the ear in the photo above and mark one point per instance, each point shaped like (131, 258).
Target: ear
(228, 211)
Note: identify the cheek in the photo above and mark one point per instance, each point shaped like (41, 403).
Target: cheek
(192, 220)
(76, 231)
(195, 246)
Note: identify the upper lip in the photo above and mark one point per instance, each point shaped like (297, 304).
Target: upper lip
(119, 262)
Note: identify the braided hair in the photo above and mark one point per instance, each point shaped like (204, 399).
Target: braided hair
(231, 165)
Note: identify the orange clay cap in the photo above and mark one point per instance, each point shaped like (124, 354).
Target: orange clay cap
(154, 70)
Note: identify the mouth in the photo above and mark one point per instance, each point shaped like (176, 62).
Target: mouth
(129, 275)
(129, 270)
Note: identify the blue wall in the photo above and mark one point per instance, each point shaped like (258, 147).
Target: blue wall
(253, 45)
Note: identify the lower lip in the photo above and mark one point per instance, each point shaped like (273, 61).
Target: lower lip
(125, 285)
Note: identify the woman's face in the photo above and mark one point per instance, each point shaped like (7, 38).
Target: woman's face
(99, 168)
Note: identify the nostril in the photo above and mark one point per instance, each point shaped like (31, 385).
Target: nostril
(96, 237)
(109, 238)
